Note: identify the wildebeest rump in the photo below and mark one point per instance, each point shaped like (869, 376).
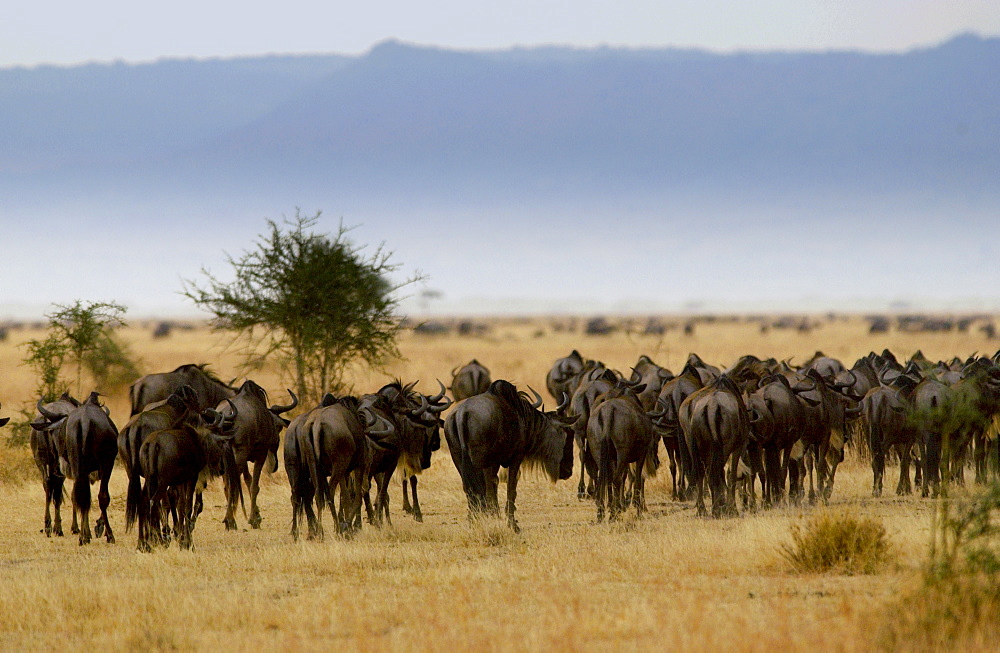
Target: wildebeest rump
(177, 462)
(472, 378)
(87, 449)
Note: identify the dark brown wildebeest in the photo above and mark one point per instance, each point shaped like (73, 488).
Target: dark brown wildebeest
(46, 456)
(472, 378)
(716, 428)
(256, 436)
(328, 451)
(827, 367)
(592, 384)
(208, 388)
(672, 395)
(777, 415)
(885, 409)
(88, 445)
(177, 462)
(826, 429)
(501, 428)
(562, 378)
(706, 372)
(652, 377)
(418, 418)
(619, 434)
(157, 416)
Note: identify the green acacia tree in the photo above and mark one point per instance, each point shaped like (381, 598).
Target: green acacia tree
(313, 300)
(81, 334)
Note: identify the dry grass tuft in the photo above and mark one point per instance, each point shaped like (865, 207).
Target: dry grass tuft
(490, 532)
(16, 465)
(954, 613)
(835, 541)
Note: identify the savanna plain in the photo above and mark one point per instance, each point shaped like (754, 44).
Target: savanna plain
(668, 580)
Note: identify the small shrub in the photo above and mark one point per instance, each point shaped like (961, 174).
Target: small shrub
(16, 465)
(956, 606)
(838, 542)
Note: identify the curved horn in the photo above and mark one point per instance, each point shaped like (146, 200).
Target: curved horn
(538, 399)
(798, 389)
(232, 415)
(436, 398)
(387, 427)
(424, 406)
(854, 379)
(855, 411)
(564, 403)
(52, 417)
(659, 404)
(439, 407)
(277, 410)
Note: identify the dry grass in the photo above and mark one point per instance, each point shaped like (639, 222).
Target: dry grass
(837, 541)
(668, 580)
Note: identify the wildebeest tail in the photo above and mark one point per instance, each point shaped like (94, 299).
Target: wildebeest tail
(132, 498)
(309, 453)
(605, 464)
(473, 479)
(233, 482)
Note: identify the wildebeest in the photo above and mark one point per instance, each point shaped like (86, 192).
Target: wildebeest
(826, 428)
(417, 417)
(177, 462)
(208, 388)
(561, 379)
(592, 384)
(716, 428)
(87, 447)
(472, 378)
(885, 411)
(620, 433)
(156, 416)
(46, 456)
(777, 416)
(326, 451)
(501, 428)
(652, 377)
(256, 436)
(672, 395)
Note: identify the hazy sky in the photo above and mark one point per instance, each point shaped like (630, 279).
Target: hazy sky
(63, 32)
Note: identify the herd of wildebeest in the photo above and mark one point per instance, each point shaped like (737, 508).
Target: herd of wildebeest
(757, 420)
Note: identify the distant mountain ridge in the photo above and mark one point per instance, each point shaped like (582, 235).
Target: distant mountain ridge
(524, 120)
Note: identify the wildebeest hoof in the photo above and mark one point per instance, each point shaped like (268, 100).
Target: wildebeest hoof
(99, 529)
(144, 547)
(230, 525)
(418, 517)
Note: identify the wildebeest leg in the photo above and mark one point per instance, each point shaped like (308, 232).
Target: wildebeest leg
(772, 469)
(903, 487)
(81, 495)
(492, 476)
(670, 444)
(230, 519)
(382, 498)
(103, 501)
(74, 527)
(255, 517)
(877, 448)
(407, 508)
(185, 495)
(512, 495)
(639, 488)
(417, 514)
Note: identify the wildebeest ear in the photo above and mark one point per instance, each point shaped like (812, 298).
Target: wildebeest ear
(568, 420)
(809, 402)
(3, 422)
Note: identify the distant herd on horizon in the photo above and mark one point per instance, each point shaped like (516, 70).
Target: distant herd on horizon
(724, 428)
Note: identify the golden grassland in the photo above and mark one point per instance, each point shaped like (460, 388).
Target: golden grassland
(565, 583)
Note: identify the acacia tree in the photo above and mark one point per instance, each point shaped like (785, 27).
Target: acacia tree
(312, 301)
(81, 333)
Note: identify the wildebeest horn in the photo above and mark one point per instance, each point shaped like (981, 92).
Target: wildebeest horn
(564, 403)
(635, 377)
(410, 386)
(454, 370)
(538, 398)
(67, 397)
(854, 379)
(387, 428)
(659, 404)
(48, 414)
(855, 411)
(277, 410)
(214, 417)
(798, 389)
(437, 406)
(232, 416)
(424, 406)
(436, 398)
(755, 416)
